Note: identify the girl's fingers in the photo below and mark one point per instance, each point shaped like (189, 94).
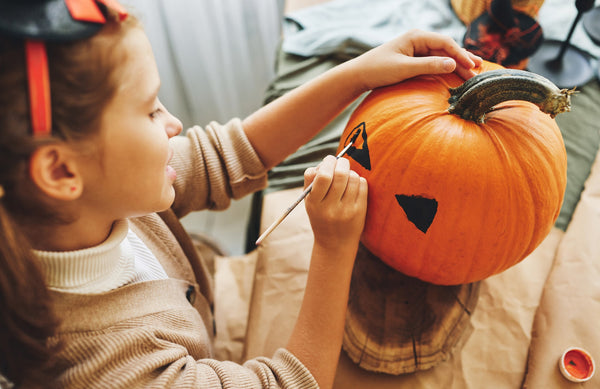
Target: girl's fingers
(430, 65)
(323, 178)
(431, 43)
(440, 63)
(353, 187)
(476, 59)
(332, 181)
(462, 57)
(309, 176)
(340, 179)
(424, 42)
(464, 73)
(434, 53)
(363, 190)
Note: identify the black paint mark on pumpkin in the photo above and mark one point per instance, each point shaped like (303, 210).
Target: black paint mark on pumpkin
(419, 210)
(360, 155)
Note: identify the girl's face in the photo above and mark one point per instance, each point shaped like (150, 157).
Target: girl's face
(133, 177)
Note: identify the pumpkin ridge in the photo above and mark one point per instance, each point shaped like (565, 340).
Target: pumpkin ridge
(539, 218)
(429, 142)
(510, 232)
(517, 169)
(535, 224)
(408, 159)
(472, 143)
(471, 272)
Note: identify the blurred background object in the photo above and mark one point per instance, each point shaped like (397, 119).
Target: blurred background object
(591, 24)
(561, 62)
(504, 34)
(469, 10)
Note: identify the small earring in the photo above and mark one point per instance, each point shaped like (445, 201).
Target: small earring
(73, 188)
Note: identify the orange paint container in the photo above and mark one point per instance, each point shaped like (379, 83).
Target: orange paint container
(576, 365)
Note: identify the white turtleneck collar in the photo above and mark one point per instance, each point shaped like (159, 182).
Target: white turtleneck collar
(98, 269)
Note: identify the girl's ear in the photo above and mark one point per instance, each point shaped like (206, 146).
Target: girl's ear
(53, 169)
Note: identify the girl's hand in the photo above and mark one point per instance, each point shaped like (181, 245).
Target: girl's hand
(337, 204)
(411, 54)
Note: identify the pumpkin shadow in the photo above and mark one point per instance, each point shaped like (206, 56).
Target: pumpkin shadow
(398, 324)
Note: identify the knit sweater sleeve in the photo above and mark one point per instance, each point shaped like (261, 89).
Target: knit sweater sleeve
(159, 341)
(284, 370)
(214, 164)
(165, 365)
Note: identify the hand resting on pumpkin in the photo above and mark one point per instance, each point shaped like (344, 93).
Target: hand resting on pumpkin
(277, 129)
(411, 54)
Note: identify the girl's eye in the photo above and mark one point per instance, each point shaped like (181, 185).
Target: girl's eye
(155, 113)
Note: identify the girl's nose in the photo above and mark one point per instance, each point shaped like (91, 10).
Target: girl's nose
(174, 126)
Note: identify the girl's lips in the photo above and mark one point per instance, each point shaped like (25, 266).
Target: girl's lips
(171, 173)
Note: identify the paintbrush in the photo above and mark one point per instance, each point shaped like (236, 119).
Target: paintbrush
(302, 196)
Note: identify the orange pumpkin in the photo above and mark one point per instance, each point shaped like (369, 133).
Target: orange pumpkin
(452, 200)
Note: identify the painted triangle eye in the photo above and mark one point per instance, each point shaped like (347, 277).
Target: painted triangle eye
(360, 155)
(420, 211)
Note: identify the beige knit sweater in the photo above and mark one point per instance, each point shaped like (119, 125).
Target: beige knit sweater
(157, 334)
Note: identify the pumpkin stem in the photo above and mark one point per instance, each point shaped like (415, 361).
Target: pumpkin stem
(477, 96)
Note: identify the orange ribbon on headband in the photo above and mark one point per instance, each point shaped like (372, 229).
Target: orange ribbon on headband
(88, 11)
(37, 62)
(39, 87)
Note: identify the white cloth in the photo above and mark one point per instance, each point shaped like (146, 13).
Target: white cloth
(120, 260)
(354, 26)
(215, 58)
(147, 266)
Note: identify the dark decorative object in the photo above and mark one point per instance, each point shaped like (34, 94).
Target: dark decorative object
(40, 21)
(504, 35)
(562, 63)
(591, 25)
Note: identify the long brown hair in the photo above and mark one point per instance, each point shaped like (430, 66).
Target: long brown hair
(82, 82)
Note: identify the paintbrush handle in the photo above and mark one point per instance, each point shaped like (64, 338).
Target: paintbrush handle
(295, 204)
(285, 214)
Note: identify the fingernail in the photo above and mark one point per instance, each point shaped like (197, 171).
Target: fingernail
(448, 64)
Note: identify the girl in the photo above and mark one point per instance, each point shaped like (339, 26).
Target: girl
(100, 286)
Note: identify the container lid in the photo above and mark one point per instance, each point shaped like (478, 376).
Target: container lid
(576, 365)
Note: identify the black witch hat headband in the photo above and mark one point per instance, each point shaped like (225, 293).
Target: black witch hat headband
(39, 21)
